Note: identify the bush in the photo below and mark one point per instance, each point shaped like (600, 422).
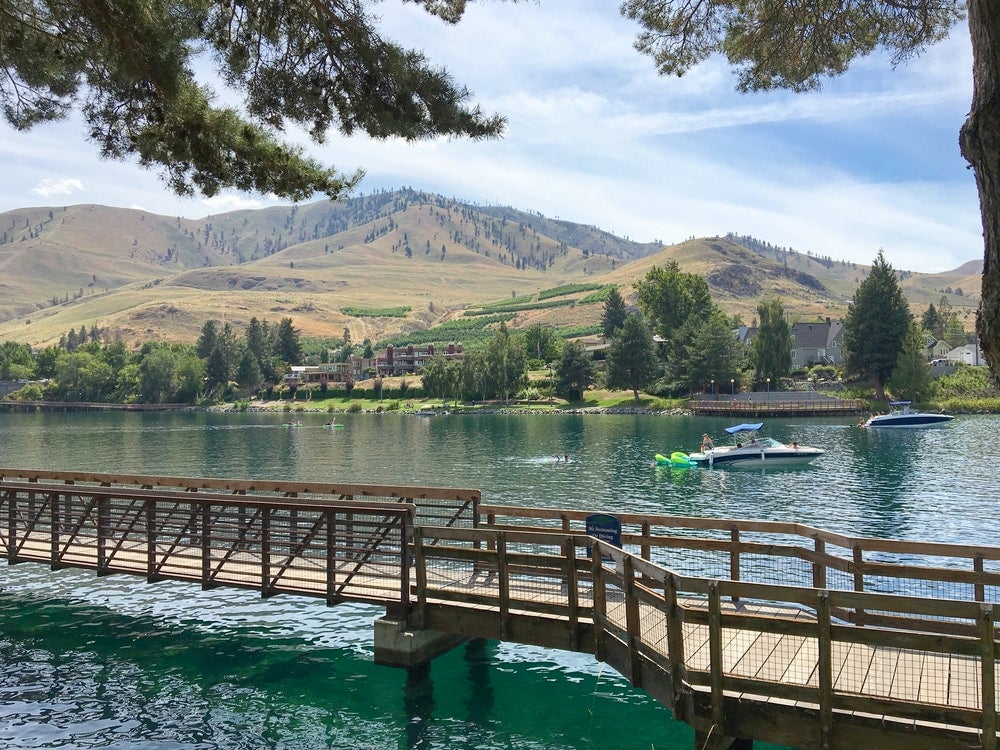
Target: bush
(965, 382)
(354, 408)
(30, 392)
(969, 405)
(824, 372)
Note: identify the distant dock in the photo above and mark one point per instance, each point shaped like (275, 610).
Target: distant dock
(775, 404)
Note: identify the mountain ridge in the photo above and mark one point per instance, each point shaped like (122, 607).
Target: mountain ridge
(140, 276)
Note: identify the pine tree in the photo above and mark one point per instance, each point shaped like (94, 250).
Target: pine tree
(574, 373)
(911, 378)
(207, 340)
(248, 374)
(288, 346)
(632, 362)
(614, 313)
(130, 68)
(705, 350)
(877, 321)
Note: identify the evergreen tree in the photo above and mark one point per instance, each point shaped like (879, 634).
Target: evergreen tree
(248, 373)
(256, 342)
(217, 373)
(320, 65)
(632, 362)
(911, 378)
(877, 321)
(288, 346)
(931, 321)
(614, 313)
(771, 348)
(230, 348)
(705, 350)
(574, 373)
(207, 340)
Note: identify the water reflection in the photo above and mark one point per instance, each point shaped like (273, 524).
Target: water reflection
(481, 695)
(877, 483)
(418, 703)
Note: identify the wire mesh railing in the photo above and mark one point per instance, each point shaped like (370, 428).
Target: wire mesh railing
(435, 506)
(337, 551)
(930, 659)
(783, 553)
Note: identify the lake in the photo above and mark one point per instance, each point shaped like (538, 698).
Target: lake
(117, 663)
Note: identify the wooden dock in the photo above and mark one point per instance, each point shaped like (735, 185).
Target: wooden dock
(747, 630)
(775, 404)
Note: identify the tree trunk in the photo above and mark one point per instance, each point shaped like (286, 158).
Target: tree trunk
(980, 143)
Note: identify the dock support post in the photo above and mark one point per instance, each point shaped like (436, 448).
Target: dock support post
(398, 645)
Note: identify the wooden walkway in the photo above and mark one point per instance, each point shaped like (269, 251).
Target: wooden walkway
(775, 632)
(775, 404)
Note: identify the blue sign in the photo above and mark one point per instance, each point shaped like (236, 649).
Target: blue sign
(607, 529)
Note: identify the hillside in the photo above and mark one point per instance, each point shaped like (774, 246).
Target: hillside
(377, 266)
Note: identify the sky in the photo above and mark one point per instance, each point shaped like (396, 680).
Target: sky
(870, 162)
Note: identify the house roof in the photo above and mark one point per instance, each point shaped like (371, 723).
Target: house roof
(816, 335)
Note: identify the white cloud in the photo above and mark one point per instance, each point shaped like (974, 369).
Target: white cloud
(231, 202)
(53, 186)
(596, 136)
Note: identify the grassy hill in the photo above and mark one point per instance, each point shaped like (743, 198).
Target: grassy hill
(382, 266)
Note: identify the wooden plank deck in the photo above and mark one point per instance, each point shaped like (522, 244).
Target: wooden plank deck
(759, 646)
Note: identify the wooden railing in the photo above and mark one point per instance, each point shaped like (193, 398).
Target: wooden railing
(783, 553)
(335, 550)
(778, 405)
(436, 506)
(740, 659)
(752, 629)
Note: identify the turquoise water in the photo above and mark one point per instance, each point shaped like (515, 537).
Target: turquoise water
(117, 663)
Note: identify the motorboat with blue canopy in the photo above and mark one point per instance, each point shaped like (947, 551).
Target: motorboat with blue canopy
(751, 450)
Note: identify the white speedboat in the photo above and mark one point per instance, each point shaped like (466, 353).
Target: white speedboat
(902, 416)
(749, 450)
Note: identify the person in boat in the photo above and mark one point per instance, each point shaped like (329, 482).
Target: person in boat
(706, 443)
